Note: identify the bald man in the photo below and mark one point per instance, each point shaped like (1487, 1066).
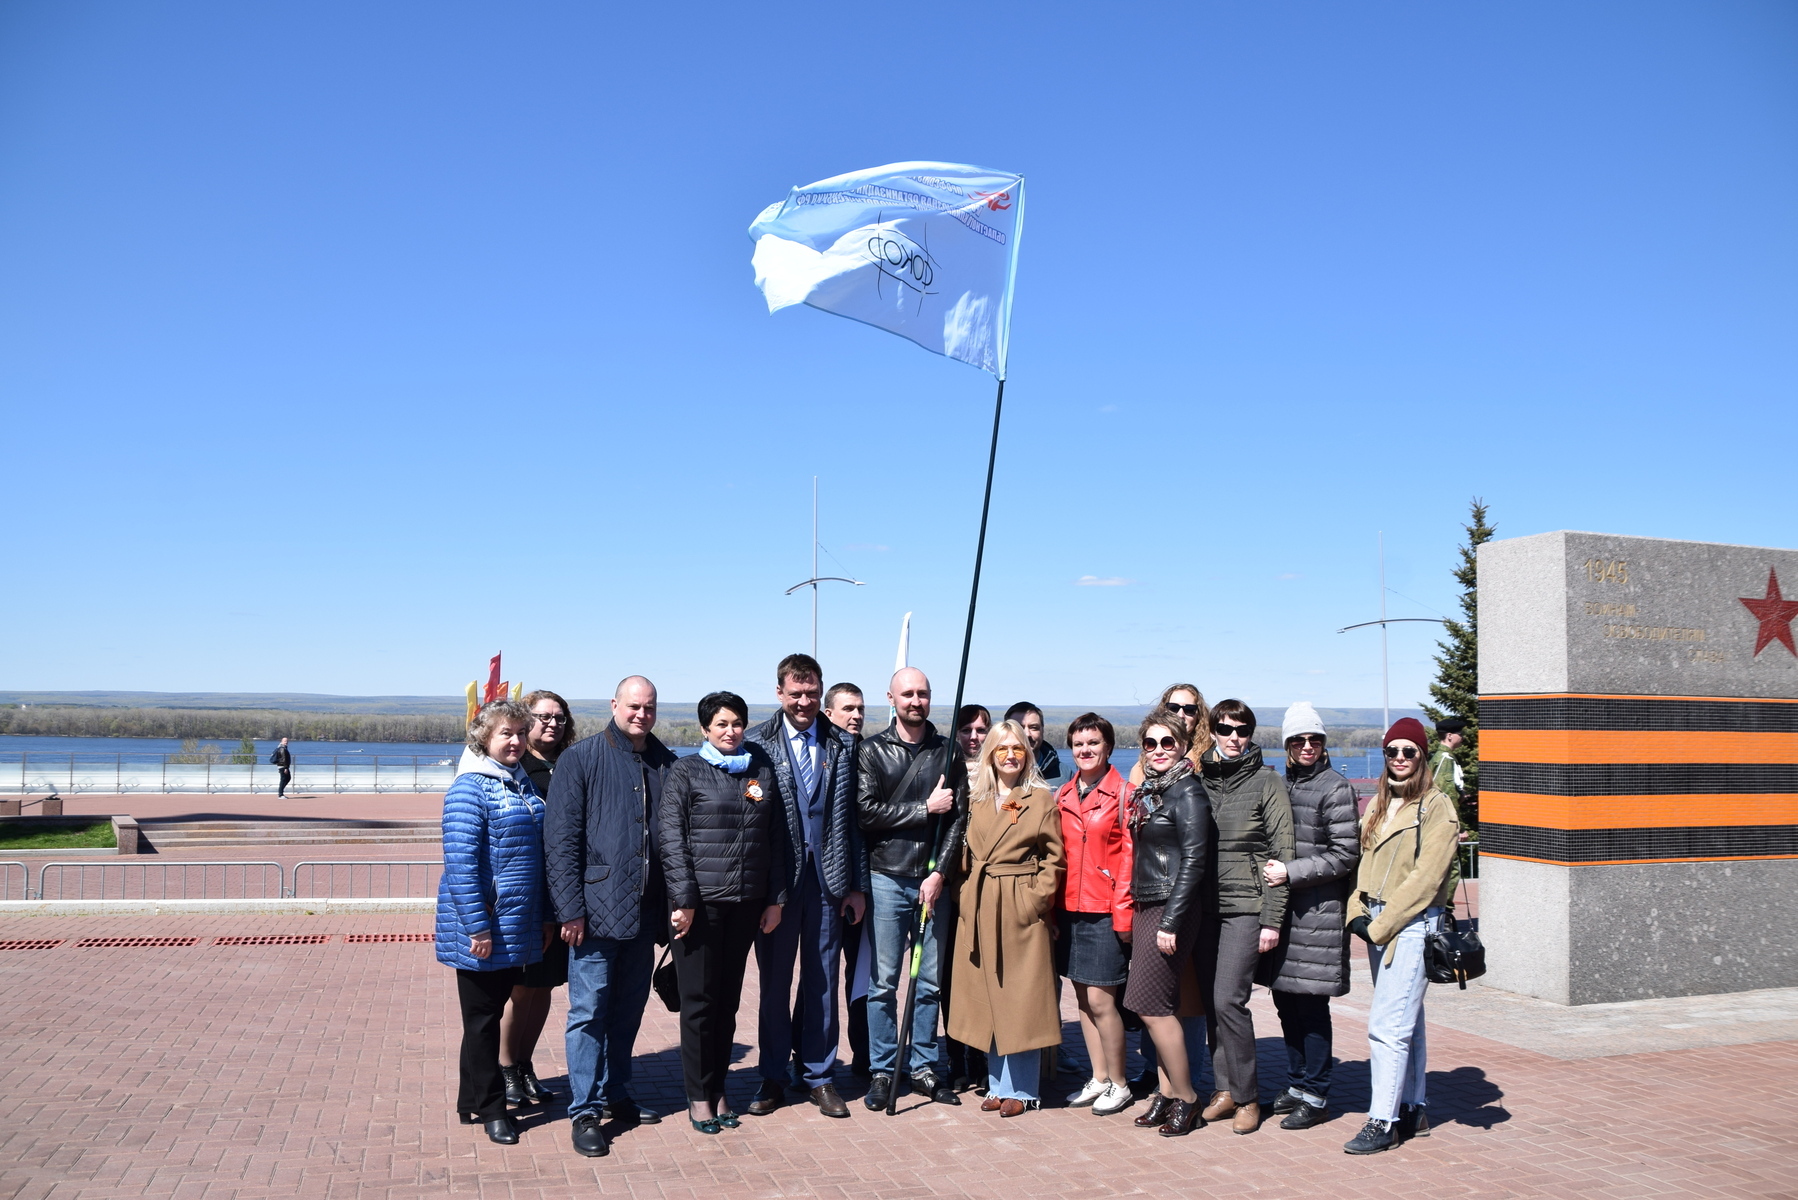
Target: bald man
(910, 818)
(605, 879)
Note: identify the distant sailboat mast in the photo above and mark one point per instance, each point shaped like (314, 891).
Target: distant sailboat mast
(901, 661)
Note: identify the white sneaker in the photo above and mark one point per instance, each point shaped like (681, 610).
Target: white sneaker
(1117, 1098)
(1092, 1091)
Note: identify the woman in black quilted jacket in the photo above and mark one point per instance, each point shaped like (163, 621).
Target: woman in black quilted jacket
(726, 880)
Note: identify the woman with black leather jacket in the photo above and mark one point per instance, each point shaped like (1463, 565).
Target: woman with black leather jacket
(1170, 823)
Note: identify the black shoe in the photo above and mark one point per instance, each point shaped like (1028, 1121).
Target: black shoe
(629, 1112)
(1304, 1116)
(533, 1087)
(1155, 1114)
(926, 1083)
(771, 1097)
(589, 1139)
(1374, 1137)
(1285, 1102)
(503, 1130)
(1413, 1121)
(515, 1094)
(880, 1090)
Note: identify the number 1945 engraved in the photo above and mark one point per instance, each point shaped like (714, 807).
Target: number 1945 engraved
(1607, 570)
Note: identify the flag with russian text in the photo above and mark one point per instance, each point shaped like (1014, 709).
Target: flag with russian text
(926, 250)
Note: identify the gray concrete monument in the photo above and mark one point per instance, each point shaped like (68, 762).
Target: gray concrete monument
(1638, 767)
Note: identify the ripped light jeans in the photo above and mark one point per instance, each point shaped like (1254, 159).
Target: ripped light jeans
(1395, 1035)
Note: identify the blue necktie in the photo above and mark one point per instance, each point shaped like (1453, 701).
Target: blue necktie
(805, 770)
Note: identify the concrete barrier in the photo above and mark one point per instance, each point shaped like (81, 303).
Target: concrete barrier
(169, 908)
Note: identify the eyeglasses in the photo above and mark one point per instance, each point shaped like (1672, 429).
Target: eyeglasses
(1402, 752)
(1226, 730)
(1009, 752)
(1309, 739)
(1191, 710)
(550, 718)
(1166, 743)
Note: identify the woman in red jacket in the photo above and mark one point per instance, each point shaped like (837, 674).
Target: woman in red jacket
(1093, 947)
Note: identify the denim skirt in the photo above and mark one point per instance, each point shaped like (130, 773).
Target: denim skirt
(1089, 950)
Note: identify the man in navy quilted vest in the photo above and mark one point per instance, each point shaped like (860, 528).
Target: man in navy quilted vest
(606, 881)
(827, 885)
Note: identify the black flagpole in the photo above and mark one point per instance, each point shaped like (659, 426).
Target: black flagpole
(961, 679)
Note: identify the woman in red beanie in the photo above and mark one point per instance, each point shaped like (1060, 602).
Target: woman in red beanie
(1407, 851)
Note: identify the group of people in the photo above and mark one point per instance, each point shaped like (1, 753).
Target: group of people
(1162, 896)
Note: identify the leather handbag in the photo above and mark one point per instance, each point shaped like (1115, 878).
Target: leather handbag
(664, 981)
(1453, 953)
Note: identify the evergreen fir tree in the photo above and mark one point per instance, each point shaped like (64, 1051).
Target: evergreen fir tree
(1456, 691)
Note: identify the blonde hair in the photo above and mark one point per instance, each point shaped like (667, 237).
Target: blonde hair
(983, 780)
(1409, 792)
(1200, 737)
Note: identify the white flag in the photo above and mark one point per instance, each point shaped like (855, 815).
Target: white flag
(926, 250)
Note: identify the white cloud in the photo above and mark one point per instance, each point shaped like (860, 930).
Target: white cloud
(1106, 581)
(1291, 575)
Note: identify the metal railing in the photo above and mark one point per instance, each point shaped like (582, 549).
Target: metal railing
(26, 771)
(357, 879)
(15, 881)
(171, 880)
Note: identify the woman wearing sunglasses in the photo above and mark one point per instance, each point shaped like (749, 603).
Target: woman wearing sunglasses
(1188, 703)
(1170, 827)
(1408, 838)
(1252, 823)
(1311, 963)
(1003, 986)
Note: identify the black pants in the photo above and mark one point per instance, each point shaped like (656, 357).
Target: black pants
(483, 995)
(709, 964)
(858, 1008)
(286, 782)
(1305, 1024)
(1228, 951)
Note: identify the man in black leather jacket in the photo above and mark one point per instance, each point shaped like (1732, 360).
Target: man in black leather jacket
(913, 821)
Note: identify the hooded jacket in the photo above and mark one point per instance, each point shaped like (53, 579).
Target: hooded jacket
(1409, 867)
(1251, 822)
(493, 879)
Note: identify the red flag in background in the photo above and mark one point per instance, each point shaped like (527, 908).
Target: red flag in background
(496, 690)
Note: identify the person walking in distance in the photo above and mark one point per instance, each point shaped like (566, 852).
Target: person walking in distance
(1402, 889)
(1030, 718)
(282, 760)
(1251, 822)
(845, 708)
(552, 729)
(826, 885)
(1095, 911)
(1311, 963)
(605, 878)
(910, 816)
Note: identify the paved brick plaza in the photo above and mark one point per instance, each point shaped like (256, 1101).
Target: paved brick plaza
(328, 1070)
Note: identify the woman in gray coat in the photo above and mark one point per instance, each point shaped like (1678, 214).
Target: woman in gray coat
(1311, 963)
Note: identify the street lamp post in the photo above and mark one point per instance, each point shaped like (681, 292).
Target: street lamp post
(816, 579)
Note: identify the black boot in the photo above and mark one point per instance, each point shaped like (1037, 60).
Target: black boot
(515, 1093)
(533, 1087)
(1374, 1137)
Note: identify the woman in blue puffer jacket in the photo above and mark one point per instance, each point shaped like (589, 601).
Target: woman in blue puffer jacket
(493, 912)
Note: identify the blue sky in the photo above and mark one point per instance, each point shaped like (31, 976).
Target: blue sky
(342, 345)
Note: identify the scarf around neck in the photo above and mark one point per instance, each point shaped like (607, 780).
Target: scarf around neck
(1147, 797)
(736, 764)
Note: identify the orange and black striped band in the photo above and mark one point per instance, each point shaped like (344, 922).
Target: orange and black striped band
(1590, 779)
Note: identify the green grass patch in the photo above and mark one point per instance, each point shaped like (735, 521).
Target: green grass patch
(67, 837)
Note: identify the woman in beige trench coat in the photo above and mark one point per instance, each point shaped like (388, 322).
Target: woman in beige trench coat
(1002, 991)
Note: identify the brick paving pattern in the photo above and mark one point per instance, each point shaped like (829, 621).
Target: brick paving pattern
(327, 1069)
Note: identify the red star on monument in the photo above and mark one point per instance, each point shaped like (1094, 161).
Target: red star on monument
(1775, 614)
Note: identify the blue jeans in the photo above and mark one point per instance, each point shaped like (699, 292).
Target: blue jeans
(811, 932)
(894, 911)
(1395, 1035)
(1305, 1025)
(1013, 1076)
(608, 985)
